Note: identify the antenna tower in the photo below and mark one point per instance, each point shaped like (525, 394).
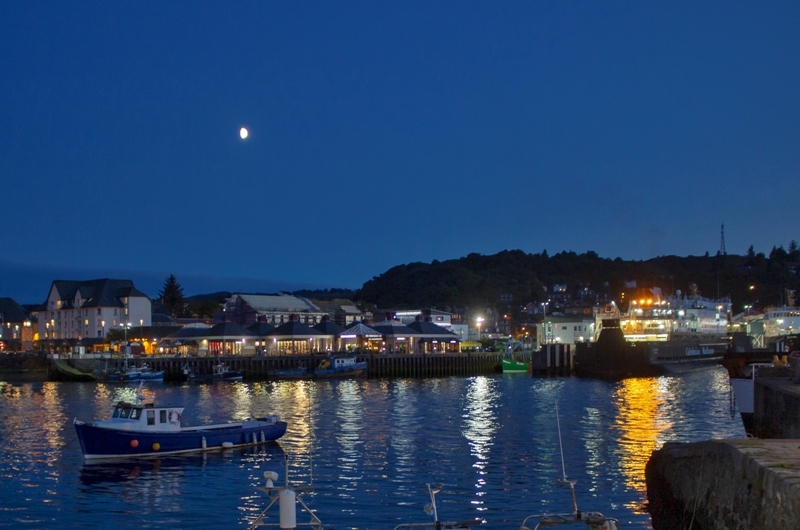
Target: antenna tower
(722, 241)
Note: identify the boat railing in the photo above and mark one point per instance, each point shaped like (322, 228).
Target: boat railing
(593, 520)
(432, 510)
(288, 497)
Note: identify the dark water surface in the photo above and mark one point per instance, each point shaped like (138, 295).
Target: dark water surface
(370, 447)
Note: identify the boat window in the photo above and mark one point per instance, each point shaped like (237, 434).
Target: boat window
(135, 413)
(151, 417)
(125, 413)
(116, 412)
(162, 417)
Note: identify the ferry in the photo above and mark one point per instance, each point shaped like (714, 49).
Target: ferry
(658, 335)
(145, 429)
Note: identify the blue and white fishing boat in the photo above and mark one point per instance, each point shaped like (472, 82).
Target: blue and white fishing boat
(146, 429)
(329, 367)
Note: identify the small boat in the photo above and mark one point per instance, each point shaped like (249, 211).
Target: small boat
(329, 367)
(515, 359)
(146, 429)
(513, 366)
(220, 372)
(136, 373)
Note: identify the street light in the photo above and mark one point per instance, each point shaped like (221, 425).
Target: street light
(478, 321)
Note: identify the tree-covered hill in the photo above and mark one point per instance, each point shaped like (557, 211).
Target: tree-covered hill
(514, 278)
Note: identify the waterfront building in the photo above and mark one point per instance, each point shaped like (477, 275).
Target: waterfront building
(261, 330)
(294, 337)
(276, 309)
(432, 338)
(343, 312)
(185, 341)
(17, 328)
(567, 329)
(329, 341)
(397, 337)
(76, 310)
(440, 318)
(359, 337)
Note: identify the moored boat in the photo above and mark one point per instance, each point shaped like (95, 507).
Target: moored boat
(145, 429)
(130, 372)
(513, 366)
(219, 372)
(329, 367)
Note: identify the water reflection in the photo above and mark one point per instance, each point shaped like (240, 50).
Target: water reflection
(639, 421)
(479, 426)
(373, 445)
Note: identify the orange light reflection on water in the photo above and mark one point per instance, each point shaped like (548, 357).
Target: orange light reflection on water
(641, 423)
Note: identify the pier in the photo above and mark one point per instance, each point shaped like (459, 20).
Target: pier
(260, 368)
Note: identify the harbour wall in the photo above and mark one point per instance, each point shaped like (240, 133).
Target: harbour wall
(776, 408)
(556, 359)
(261, 368)
(745, 484)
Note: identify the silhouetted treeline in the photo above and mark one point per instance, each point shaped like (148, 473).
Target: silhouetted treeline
(511, 279)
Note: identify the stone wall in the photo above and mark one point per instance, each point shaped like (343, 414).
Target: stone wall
(776, 408)
(747, 484)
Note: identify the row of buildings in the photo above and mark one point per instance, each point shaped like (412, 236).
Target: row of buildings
(80, 315)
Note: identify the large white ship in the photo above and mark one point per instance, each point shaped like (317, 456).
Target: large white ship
(659, 334)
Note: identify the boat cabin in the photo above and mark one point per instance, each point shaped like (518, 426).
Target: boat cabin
(144, 417)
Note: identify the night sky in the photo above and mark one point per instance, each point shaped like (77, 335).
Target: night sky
(384, 133)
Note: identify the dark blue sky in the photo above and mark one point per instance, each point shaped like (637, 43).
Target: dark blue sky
(383, 133)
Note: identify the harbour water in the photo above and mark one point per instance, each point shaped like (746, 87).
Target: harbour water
(368, 446)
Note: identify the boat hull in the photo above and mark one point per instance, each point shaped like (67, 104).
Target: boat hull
(103, 443)
(144, 376)
(511, 366)
(614, 356)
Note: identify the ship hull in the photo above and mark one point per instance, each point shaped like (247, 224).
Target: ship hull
(614, 356)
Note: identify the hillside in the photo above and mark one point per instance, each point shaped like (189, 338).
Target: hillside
(513, 278)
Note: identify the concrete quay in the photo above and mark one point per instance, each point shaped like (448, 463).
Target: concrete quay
(743, 484)
(776, 408)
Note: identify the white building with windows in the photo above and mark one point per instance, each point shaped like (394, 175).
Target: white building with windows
(89, 309)
(565, 329)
